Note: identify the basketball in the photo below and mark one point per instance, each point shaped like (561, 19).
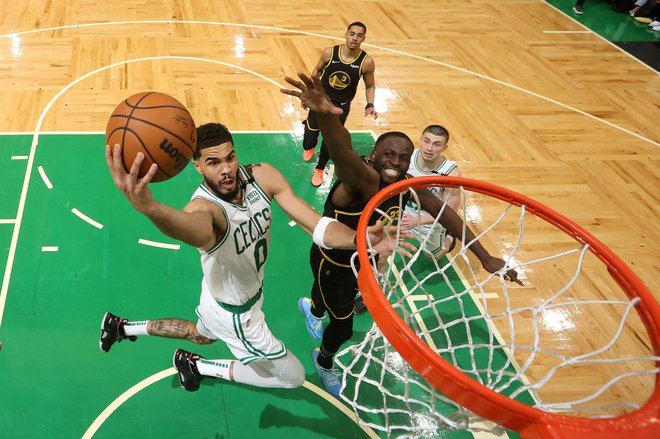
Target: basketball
(157, 125)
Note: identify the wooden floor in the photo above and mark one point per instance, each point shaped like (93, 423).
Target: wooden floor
(564, 118)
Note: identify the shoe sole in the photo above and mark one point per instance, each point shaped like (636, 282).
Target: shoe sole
(102, 329)
(179, 373)
(177, 370)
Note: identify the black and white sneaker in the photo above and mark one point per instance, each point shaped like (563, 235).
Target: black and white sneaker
(112, 330)
(184, 363)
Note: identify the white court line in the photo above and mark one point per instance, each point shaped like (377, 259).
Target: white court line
(21, 206)
(413, 307)
(35, 141)
(426, 297)
(496, 332)
(8, 221)
(566, 32)
(158, 244)
(19, 157)
(53, 248)
(114, 405)
(44, 177)
(604, 39)
(292, 223)
(384, 49)
(85, 218)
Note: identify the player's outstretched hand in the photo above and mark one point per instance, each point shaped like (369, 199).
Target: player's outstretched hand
(492, 265)
(134, 189)
(384, 241)
(311, 94)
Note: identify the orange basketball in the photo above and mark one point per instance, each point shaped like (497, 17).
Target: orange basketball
(157, 125)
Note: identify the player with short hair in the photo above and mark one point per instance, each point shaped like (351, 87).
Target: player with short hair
(358, 180)
(340, 68)
(428, 160)
(229, 220)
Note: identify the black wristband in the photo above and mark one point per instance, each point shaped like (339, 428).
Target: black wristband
(369, 105)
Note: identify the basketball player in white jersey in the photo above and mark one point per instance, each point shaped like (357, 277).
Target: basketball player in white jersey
(428, 160)
(228, 219)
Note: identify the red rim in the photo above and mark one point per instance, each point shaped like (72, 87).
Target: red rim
(529, 421)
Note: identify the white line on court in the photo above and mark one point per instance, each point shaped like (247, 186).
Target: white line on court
(488, 425)
(602, 38)
(52, 248)
(418, 297)
(8, 221)
(12, 250)
(292, 223)
(87, 219)
(566, 32)
(114, 405)
(19, 157)
(384, 49)
(158, 244)
(44, 177)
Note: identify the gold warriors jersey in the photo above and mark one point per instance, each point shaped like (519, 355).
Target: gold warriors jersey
(234, 268)
(340, 77)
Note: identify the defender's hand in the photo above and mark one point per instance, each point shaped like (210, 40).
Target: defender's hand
(311, 94)
(493, 264)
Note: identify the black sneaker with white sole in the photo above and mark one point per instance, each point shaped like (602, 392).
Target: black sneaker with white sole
(112, 331)
(185, 363)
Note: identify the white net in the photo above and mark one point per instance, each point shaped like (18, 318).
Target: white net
(569, 341)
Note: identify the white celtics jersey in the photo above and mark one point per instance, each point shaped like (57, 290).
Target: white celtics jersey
(234, 268)
(445, 167)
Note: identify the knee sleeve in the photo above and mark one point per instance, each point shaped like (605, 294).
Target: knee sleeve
(289, 371)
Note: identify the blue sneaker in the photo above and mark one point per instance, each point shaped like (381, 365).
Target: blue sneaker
(313, 323)
(329, 378)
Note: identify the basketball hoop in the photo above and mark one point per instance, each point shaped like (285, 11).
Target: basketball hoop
(531, 420)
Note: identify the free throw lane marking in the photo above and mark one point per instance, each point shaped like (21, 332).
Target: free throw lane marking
(44, 177)
(158, 244)
(87, 219)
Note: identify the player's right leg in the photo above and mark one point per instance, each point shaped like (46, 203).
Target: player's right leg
(337, 287)
(114, 329)
(310, 136)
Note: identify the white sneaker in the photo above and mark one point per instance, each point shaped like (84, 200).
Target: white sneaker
(656, 28)
(654, 23)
